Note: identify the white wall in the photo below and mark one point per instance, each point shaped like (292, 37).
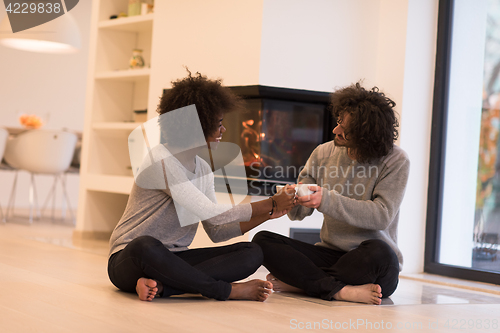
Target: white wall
(318, 44)
(220, 39)
(45, 85)
(416, 127)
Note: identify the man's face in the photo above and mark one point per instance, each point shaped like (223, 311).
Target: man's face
(214, 139)
(341, 131)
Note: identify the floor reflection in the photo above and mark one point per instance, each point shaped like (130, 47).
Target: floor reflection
(416, 292)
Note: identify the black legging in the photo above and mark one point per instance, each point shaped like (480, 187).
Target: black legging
(208, 271)
(322, 272)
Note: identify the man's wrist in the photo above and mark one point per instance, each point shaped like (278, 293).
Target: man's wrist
(323, 195)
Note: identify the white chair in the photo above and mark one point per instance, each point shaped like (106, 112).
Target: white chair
(40, 152)
(4, 134)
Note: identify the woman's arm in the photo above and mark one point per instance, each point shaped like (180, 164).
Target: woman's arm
(283, 200)
(259, 219)
(223, 232)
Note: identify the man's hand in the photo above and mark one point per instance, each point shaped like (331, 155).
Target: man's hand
(311, 200)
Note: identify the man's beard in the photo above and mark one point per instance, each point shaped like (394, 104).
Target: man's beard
(342, 143)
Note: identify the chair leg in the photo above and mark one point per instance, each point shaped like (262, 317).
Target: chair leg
(65, 199)
(34, 200)
(12, 199)
(31, 199)
(51, 195)
(63, 183)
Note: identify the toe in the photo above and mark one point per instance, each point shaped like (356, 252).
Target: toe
(270, 277)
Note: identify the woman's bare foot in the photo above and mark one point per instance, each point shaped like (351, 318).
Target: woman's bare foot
(279, 285)
(255, 290)
(147, 289)
(366, 293)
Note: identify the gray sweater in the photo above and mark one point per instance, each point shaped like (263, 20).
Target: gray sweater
(360, 201)
(151, 210)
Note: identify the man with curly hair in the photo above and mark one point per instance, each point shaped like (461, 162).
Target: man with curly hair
(361, 177)
(149, 251)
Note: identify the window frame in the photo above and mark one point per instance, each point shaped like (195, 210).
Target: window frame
(437, 157)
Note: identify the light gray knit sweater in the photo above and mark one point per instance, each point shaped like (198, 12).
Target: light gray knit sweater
(360, 201)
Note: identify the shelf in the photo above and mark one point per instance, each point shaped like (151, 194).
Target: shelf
(109, 183)
(137, 23)
(115, 91)
(133, 75)
(116, 126)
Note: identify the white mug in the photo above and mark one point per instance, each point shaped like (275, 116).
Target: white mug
(303, 189)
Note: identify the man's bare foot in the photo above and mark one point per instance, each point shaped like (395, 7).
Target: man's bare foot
(147, 289)
(255, 290)
(279, 285)
(366, 293)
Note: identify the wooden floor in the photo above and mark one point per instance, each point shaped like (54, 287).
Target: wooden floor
(50, 284)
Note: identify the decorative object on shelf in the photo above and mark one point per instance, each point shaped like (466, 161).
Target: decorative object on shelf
(130, 172)
(140, 116)
(147, 8)
(31, 121)
(134, 7)
(112, 17)
(122, 14)
(137, 61)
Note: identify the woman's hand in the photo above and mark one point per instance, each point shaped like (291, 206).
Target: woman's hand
(312, 200)
(285, 199)
(276, 214)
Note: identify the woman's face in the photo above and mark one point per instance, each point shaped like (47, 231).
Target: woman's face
(214, 139)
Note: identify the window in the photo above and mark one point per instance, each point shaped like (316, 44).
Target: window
(463, 218)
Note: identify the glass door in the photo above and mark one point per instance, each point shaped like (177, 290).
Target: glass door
(464, 189)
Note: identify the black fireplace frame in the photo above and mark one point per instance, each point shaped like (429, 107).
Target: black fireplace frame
(291, 94)
(267, 187)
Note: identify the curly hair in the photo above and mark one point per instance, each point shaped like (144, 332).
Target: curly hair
(211, 99)
(373, 125)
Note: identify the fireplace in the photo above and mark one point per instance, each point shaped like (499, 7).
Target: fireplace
(277, 133)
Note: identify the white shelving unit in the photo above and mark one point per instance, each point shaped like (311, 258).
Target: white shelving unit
(113, 92)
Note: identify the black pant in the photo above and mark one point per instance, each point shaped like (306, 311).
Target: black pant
(322, 272)
(208, 271)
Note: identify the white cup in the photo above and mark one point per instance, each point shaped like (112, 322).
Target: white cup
(303, 189)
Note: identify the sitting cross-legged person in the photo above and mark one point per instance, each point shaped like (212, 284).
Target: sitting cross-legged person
(361, 178)
(173, 191)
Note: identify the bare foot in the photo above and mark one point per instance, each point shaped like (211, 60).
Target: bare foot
(147, 289)
(366, 293)
(279, 285)
(255, 290)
